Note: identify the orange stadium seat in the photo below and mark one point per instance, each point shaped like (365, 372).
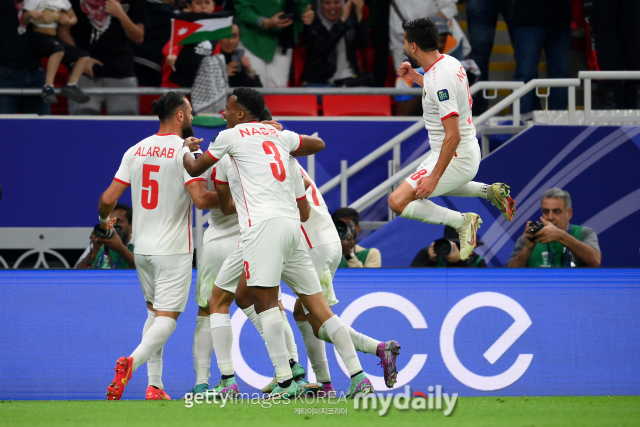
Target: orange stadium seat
(292, 105)
(299, 60)
(356, 105)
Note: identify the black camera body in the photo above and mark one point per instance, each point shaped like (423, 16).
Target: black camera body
(101, 233)
(535, 226)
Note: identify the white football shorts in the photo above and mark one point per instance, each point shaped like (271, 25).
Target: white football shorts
(214, 253)
(165, 280)
(460, 171)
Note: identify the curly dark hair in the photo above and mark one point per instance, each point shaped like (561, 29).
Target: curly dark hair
(423, 32)
(167, 105)
(265, 115)
(250, 99)
(128, 212)
(350, 213)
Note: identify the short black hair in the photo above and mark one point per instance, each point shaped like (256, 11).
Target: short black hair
(265, 115)
(128, 212)
(423, 32)
(168, 104)
(250, 99)
(350, 213)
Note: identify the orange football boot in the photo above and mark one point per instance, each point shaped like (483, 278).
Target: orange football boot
(124, 370)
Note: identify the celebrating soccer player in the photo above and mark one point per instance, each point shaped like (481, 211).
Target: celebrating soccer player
(455, 154)
(161, 192)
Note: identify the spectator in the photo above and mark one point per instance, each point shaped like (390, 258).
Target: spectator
(615, 32)
(148, 58)
(107, 29)
(116, 252)
(183, 61)
(404, 10)
(353, 255)
(538, 25)
(445, 252)
(239, 67)
(482, 17)
(332, 39)
(19, 66)
(45, 15)
(558, 243)
(268, 30)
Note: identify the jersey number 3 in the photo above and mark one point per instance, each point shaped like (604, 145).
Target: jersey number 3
(150, 187)
(276, 168)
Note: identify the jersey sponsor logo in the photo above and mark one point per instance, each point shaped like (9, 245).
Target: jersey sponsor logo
(258, 131)
(443, 95)
(155, 152)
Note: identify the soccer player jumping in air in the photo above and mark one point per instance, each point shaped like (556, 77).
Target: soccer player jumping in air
(455, 154)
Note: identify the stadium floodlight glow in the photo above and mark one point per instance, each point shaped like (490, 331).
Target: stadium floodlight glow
(521, 323)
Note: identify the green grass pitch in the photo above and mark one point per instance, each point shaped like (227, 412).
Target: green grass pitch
(470, 411)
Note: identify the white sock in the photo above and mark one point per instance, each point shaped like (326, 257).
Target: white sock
(222, 336)
(154, 364)
(153, 340)
(316, 352)
(202, 350)
(363, 343)
(273, 333)
(338, 332)
(253, 316)
(470, 189)
(427, 211)
(289, 338)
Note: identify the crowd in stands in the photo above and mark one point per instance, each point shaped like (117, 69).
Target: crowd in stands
(81, 44)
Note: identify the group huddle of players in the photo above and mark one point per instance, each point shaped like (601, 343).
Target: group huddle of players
(269, 223)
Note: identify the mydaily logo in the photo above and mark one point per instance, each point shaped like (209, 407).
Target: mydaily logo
(417, 321)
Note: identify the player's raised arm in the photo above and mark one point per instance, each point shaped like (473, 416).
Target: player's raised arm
(308, 145)
(108, 200)
(196, 167)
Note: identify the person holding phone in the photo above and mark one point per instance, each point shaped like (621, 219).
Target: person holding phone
(268, 31)
(239, 68)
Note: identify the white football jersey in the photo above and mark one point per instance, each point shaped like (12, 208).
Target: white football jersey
(445, 94)
(265, 186)
(220, 225)
(161, 202)
(319, 229)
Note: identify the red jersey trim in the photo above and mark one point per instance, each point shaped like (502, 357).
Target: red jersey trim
(189, 224)
(455, 113)
(212, 156)
(166, 134)
(194, 179)
(300, 136)
(221, 182)
(427, 70)
(121, 182)
(306, 237)
(300, 198)
(242, 186)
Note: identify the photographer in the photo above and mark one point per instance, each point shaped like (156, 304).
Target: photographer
(554, 242)
(347, 223)
(120, 247)
(445, 252)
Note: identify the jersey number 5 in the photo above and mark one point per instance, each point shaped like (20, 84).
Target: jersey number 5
(150, 187)
(270, 148)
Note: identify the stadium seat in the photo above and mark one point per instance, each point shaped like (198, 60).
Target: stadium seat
(356, 105)
(292, 105)
(299, 60)
(145, 104)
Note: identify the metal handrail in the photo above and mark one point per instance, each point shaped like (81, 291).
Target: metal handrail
(587, 76)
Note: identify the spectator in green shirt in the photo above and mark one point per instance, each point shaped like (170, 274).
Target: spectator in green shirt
(116, 252)
(269, 30)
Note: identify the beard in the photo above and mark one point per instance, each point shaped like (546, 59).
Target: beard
(187, 130)
(412, 60)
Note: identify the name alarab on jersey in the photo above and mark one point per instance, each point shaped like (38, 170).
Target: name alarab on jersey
(161, 202)
(265, 186)
(445, 94)
(220, 225)
(319, 229)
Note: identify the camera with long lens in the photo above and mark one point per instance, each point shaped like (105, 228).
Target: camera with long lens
(345, 231)
(101, 233)
(443, 247)
(534, 227)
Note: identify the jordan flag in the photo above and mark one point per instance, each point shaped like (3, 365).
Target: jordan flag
(198, 27)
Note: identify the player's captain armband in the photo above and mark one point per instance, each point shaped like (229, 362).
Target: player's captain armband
(443, 95)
